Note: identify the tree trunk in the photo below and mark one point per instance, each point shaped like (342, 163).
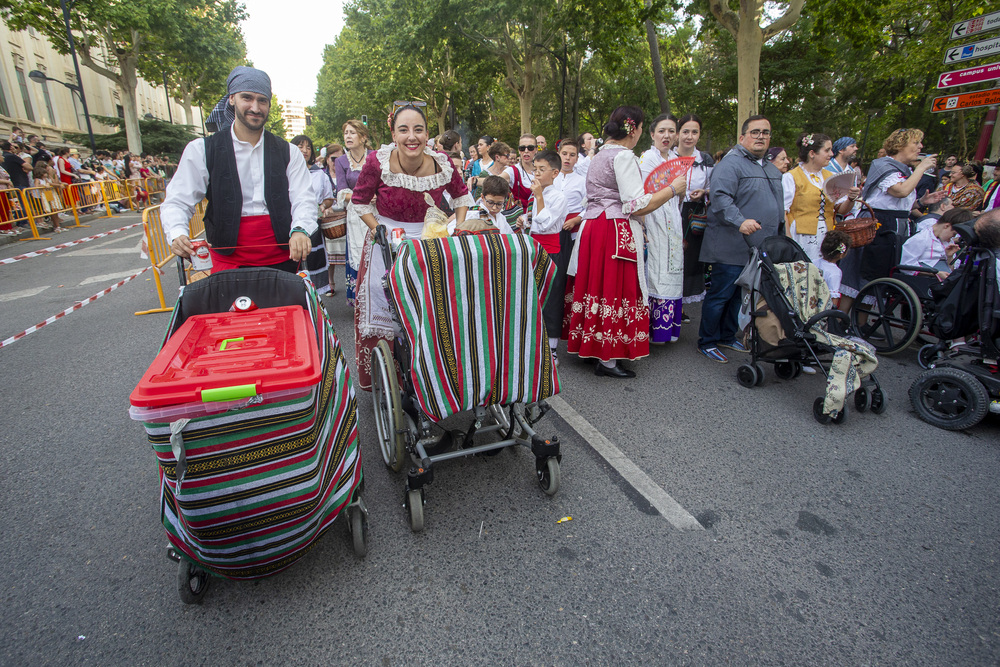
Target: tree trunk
(127, 82)
(526, 95)
(963, 140)
(654, 56)
(749, 41)
(442, 117)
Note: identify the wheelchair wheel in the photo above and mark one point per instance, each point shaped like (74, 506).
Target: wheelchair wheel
(928, 355)
(893, 321)
(949, 398)
(389, 420)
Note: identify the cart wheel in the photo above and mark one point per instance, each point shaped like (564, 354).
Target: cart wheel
(927, 355)
(746, 375)
(787, 370)
(415, 504)
(893, 322)
(548, 476)
(359, 531)
(192, 582)
(949, 398)
(818, 412)
(879, 400)
(841, 416)
(388, 408)
(760, 375)
(862, 399)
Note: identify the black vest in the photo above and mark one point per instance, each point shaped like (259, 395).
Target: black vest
(225, 195)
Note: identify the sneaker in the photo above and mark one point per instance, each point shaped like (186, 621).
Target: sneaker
(555, 357)
(714, 353)
(809, 370)
(734, 345)
(684, 318)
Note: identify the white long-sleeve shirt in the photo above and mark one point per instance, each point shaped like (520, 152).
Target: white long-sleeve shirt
(551, 218)
(574, 188)
(190, 183)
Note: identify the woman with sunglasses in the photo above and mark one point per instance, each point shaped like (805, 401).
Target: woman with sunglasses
(522, 175)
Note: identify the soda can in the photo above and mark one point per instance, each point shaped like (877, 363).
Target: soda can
(201, 259)
(397, 237)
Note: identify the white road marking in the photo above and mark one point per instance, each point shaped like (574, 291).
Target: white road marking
(23, 294)
(119, 239)
(107, 276)
(97, 252)
(669, 508)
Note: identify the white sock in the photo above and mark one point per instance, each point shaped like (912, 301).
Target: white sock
(609, 364)
(553, 342)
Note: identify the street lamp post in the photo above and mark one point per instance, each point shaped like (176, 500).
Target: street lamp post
(76, 66)
(40, 77)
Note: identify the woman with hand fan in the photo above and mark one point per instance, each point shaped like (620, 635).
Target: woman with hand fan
(664, 234)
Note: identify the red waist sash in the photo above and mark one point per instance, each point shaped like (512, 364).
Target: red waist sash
(255, 246)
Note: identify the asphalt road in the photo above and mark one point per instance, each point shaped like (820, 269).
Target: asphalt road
(872, 543)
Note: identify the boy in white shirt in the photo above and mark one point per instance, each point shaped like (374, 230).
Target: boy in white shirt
(489, 208)
(548, 214)
(573, 186)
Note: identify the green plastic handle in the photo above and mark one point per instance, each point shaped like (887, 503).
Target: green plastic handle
(228, 393)
(228, 341)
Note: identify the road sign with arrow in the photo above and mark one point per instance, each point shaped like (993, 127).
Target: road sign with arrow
(974, 26)
(964, 77)
(959, 54)
(980, 98)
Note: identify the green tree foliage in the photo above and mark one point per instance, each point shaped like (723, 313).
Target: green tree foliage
(159, 137)
(275, 122)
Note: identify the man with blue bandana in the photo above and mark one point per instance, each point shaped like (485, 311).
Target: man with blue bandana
(844, 149)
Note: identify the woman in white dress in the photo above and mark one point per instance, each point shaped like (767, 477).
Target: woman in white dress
(664, 238)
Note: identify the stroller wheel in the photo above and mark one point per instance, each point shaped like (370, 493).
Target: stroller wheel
(748, 376)
(818, 412)
(760, 375)
(949, 398)
(862, 399)
(192, 582)
(879, 400)
(841, 416)
(548, 475)
(787, 370)
(358, 518)
(415, 506)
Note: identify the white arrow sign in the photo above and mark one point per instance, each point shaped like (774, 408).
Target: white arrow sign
(960, 54)
(974, 26)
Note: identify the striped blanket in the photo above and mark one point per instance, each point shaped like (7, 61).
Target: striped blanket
(471, 308)
(246, 493)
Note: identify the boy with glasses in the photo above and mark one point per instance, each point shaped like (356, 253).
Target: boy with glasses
(548, 213)
(489, 208)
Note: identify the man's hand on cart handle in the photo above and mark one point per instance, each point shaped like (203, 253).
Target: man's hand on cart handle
(299, 246)
(182, 247)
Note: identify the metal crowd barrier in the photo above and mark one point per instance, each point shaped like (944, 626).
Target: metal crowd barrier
(159, 250)
(13, 211)
(47, 200)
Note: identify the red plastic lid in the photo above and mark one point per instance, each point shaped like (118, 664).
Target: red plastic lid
(227, 354)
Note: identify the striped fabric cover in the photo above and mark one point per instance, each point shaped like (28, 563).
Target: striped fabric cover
(264, 482)
(471, 308)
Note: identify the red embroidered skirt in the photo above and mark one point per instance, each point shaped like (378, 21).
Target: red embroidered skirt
(255, 246)
(610, 319)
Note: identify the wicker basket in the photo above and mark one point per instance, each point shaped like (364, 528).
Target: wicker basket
(334, 226)
(862, 228)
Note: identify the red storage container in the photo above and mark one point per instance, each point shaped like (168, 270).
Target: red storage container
(228, 356)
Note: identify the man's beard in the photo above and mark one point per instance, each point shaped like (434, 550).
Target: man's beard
(252, 122)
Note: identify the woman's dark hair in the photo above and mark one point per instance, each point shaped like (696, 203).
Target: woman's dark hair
(956, 216)
(487, 139)
(832, 243)
(128, 167)
(395, 114)
(615, 128)
(773, 152)
(969, 172)
(687, 118)
(448, 141)
(810, 142)
(303, 139)
(659, 119)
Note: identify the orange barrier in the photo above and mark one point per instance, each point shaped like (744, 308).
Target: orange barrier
(47, 200)
(159, 250)
(155, 185)
(137, 192)
(13, 211)
(116, 191)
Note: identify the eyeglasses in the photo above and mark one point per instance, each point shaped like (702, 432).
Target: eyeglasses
(759, 133)
(493, 204)
(527, 148)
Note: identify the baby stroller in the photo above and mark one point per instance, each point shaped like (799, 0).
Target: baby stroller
(963, 383)
(252, 415)
(471, 339)
(785, 302)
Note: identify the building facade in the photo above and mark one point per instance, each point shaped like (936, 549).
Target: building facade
(294, 113)
(48, 109)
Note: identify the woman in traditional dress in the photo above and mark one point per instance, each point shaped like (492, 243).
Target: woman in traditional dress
(664, 238)
(890, 190)
(390, 192)
(610, 318)
(520, 176)
(965, 191)
(694, 208)
(347, 168)
(809, 212)
(318, 262)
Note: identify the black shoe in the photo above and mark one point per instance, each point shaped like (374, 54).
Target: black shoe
(684, 318)
(615, 372)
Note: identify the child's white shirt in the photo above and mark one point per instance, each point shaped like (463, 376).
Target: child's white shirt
(551, 218)
(832, 274)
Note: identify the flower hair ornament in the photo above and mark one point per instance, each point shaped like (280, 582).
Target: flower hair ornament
(841, 249)
(389, 120)
(807, 140)
(628, 125)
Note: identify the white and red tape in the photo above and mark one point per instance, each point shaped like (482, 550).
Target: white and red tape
(45, 251)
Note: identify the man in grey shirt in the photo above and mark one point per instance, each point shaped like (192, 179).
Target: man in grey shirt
(747, 200)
